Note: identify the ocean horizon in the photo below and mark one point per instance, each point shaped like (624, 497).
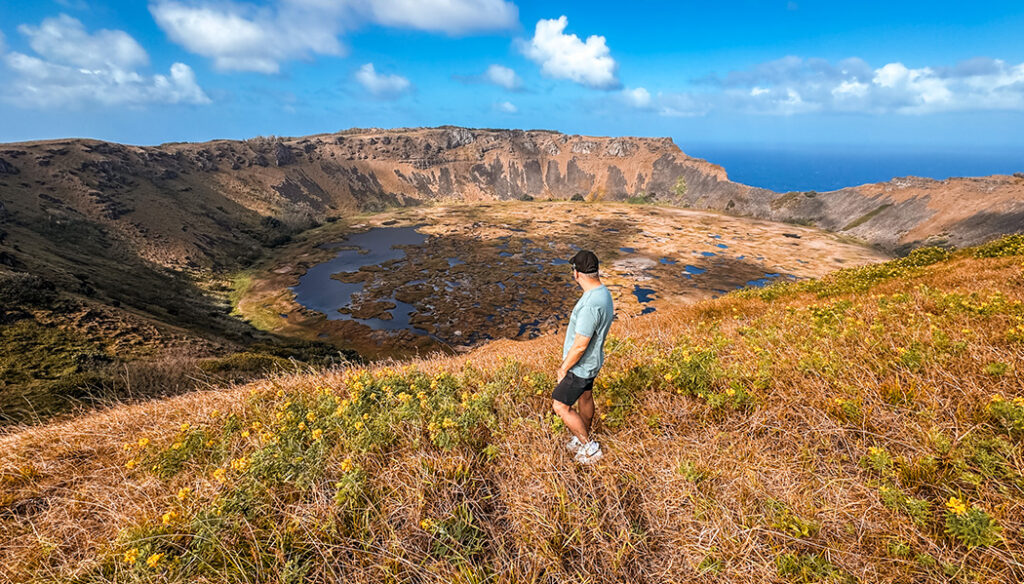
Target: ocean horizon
(827, 168)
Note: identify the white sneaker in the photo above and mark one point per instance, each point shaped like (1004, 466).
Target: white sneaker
(589, 453)
(573, 445)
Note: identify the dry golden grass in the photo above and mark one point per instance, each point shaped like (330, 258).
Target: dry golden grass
(777, 465)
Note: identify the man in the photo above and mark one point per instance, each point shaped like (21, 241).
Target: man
(582, 356)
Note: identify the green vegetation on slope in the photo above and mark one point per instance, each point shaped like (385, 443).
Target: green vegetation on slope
(866, 427)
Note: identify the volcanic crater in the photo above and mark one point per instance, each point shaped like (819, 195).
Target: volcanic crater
(456, 276)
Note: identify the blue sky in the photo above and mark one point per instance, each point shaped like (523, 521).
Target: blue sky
(866, 74)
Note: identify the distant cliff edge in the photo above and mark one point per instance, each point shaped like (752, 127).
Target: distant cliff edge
(207, 204)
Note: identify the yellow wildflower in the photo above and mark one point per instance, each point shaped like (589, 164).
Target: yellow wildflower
(220, 475)
(240, 464)
(995, 398)
(131, 556)
(359, 425)
(448, 423)
(730, 392)
(956, 506)
(169, 517)
(215, 413)
(318, 434)
(176, 446)
(310, 416)
(154, 560)
(346, 465)
(427, 524)
(130, 464)
(245, 433)
(404, 397)
(302, 425)
(669, 377)
(185, 426)
(143, 442)
(183, 493)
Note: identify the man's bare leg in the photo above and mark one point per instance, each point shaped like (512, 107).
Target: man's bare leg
(576, 424)
(586, 408)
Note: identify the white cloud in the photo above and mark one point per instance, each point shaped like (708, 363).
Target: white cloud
(565, 56)
(75, 68)
(508, 107)
(792, 85)
(639, 97)
(243, 37)
(64, 40)
(381, 85)
(453, 17)
(503, 77)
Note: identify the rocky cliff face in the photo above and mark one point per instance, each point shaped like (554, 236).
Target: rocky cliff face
(204, 205)
(909, 212)
(197, 206)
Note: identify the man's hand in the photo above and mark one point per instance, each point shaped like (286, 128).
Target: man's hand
(579, 346)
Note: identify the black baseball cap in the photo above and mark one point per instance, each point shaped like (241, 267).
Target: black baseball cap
(584, 262)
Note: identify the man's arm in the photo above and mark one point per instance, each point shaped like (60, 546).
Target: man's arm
(579, 346)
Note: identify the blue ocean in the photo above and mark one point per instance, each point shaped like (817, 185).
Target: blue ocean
(826, 168)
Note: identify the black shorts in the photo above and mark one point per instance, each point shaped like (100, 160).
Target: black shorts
(571, 388)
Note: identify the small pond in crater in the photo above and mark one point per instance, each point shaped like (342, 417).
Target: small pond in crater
(318, 291)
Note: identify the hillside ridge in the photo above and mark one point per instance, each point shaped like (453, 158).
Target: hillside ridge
(865, 427)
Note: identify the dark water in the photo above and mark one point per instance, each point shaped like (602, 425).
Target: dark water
(827, 168)
(317, 291)
(644, 296)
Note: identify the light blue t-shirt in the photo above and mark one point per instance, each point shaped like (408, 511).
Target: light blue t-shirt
(591, 317)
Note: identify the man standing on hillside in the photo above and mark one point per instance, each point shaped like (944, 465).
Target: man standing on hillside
(582, 356)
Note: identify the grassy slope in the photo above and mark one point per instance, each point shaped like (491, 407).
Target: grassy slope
(865, 427)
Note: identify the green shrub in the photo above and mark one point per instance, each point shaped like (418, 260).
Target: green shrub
(1010, 245)
(879, 460)
(996, 369)
(19, 288)
(898, 548)
(691, 370)
(810, 568)
(919, 510)
(784, 519)
(971, 526)
(1007, 414)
